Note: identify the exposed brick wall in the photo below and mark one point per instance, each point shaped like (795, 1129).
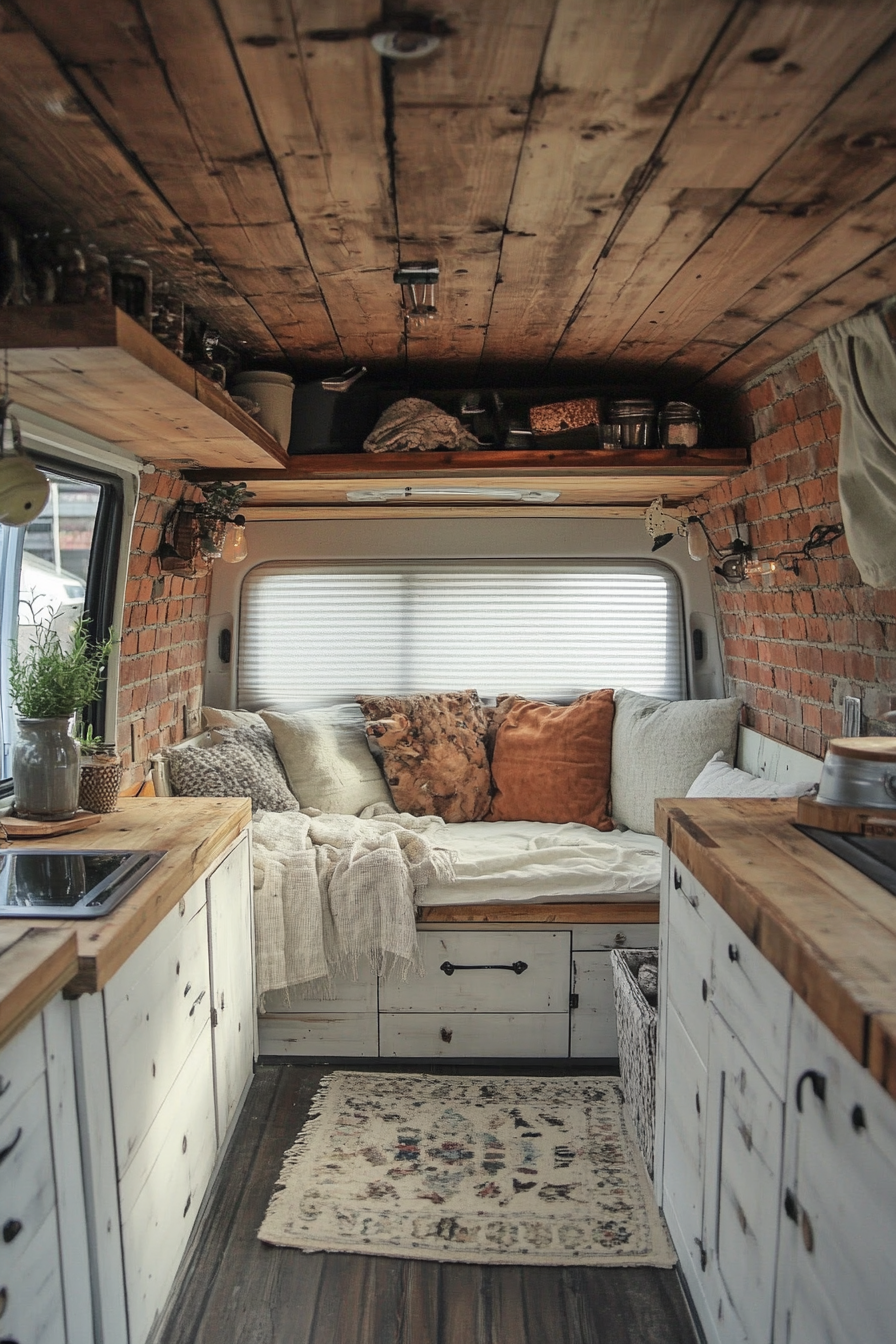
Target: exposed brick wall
(163, 636)
(795, 645)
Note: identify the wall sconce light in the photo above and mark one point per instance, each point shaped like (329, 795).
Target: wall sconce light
(736, 564)
(199, 532)
(419, 282)
(235, 547)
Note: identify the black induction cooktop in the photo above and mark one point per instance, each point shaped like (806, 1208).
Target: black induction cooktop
(69, 883)
(872, 855)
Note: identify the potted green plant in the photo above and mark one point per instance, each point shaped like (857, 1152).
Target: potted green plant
(221, 505)
(51, 682)
(101, 769)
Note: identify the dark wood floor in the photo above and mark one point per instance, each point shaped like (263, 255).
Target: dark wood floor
(236, 1290)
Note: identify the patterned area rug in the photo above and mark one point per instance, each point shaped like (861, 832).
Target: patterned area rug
(485, 1170)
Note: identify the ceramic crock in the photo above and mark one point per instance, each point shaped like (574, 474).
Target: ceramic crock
(859, 772)
(46, 769)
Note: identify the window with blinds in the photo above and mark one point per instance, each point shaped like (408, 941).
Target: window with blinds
(549, 630)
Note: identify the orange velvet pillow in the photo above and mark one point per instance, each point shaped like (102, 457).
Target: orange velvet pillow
(552, 762)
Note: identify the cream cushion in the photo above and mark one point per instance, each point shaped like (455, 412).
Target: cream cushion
(717, 779)
(327, 759)
(229, 718)
(660, 747)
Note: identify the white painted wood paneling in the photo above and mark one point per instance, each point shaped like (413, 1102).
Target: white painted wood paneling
(775, 760)
(232, 951)
(474, 1035)
(592, 1022)
(752, 997)
(21, 1061)
(70, 1208)
(542, 987)
(690, 956)
(27, 1191)
(343, 1035)
(94, 1099)
(746, 1126)
(163, 1188)
(34, 1312)
(157, 1008)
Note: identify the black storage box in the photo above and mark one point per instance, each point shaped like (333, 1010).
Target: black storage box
(337, 422)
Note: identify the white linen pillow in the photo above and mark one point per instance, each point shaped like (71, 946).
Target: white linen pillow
(230, 718)
(660, 747)
(327, 760)
(717, 779)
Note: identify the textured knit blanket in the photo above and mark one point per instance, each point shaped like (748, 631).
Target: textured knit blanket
(332, 889)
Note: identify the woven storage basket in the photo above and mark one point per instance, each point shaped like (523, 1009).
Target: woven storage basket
(100, 784)
(636, 1025)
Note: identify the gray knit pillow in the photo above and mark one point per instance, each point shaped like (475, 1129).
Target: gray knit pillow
(258, 739)
(229, 770)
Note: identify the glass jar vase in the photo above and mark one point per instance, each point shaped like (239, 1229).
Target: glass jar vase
(46, 769)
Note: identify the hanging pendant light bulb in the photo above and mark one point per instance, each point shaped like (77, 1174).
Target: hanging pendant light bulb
(235, 547)
(698, 541)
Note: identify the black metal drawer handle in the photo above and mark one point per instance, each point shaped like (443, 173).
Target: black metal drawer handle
(819, 1086)
(518, 967)
(5, 1084)
(5, 1152)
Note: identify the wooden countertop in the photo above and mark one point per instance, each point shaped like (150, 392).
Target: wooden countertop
(193, 831)
(829, 930)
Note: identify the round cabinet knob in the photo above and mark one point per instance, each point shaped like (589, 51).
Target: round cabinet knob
(620, 940)
(11, 1229)
(859, 1121)
(446, 1035)
(733, 952)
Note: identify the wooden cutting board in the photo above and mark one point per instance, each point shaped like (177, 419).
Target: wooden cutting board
(850, 820)
(17, 828)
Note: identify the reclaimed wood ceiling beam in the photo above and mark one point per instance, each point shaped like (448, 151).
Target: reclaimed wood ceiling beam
(774, 69)
(847, 155)
(320, 106)
(459, 118)
(59, 165)
(163, 80)
(613, 75)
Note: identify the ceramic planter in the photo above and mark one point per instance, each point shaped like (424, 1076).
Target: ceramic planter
(46, 769)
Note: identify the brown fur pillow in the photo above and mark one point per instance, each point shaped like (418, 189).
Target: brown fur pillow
(433, 752)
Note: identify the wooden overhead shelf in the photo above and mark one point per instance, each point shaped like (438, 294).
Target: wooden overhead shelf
(587, 479)
(93, 367)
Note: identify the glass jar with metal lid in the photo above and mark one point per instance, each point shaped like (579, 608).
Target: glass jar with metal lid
(636, 418)
(679, 425)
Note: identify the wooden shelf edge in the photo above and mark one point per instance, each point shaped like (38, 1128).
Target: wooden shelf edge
(100, 326)
(645, 462)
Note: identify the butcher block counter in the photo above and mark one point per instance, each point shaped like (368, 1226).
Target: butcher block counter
(826, 928)
(38, 959)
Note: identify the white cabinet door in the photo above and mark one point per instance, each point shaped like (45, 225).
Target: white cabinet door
(837, 1241)
(744, 1149)
(689, 955)
(592, 1014)
(232, 944)
(684, 1143)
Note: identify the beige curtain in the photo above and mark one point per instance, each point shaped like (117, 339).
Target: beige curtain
(859, 361)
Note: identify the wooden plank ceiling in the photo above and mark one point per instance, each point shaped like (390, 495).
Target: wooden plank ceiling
(613, 189)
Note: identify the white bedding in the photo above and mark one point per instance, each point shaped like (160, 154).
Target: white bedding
(545, 861)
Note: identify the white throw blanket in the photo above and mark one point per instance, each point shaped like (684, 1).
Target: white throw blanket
(331, 889)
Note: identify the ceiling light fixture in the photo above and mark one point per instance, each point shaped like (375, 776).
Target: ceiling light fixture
(419, 281)
(404, 44)
(413, 492)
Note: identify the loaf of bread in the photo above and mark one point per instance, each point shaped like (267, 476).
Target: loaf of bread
(561, 415)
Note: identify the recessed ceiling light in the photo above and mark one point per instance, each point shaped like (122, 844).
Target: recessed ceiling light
(404, 44)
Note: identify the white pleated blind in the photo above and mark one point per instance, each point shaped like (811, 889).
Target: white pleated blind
(544, 629)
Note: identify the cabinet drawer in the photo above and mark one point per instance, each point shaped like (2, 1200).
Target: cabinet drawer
(592, 1018)
(152, 1025)
(351, 996)
(690, 956)
(596, 937)
(345, 1035)
(474, 1035)
(542, 986)
(162, 1190)
(34, 1313)
(21, 1060)
(27, 1190)
(752, 997)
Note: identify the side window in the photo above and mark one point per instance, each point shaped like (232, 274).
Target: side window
(59, 567)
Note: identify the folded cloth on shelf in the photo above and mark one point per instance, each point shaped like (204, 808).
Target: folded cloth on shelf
(331, 889)
(500, 861)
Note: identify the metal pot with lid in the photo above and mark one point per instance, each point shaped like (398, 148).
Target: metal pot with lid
(859, 772)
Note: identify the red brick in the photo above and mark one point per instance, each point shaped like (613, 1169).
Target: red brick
(830, 418)
(814, 397)
(809, 370)
(763, 394)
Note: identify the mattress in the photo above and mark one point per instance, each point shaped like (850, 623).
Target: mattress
(539, 861)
